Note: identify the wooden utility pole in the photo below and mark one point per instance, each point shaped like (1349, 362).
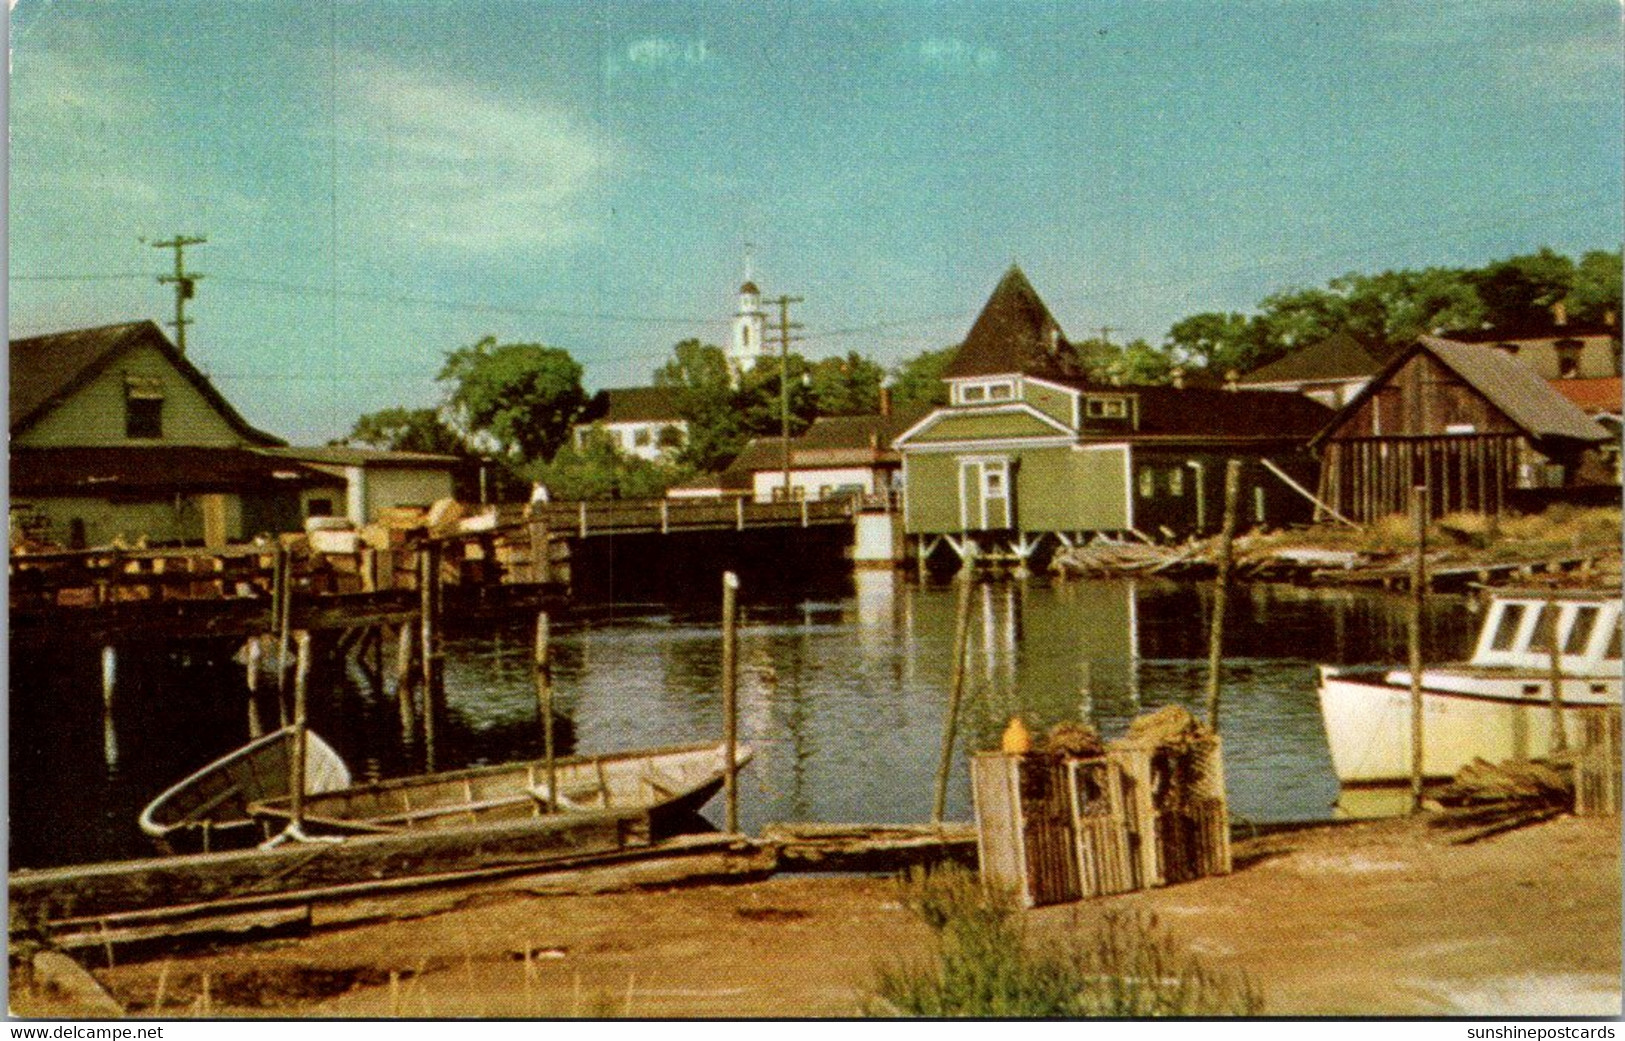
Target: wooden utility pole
(784, 327)
(184, 281)
(1221, 590)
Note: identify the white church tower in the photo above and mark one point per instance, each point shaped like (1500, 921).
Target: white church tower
(749, 324)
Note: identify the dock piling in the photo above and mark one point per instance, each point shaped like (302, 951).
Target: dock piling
(109, 684)
(730, 697)
(544, 703)
(256, 655)
(956, 691)
(1559, 736)
(1221, 589)
(1419, 592)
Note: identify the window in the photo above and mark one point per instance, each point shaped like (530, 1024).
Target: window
(1507, 629)
(1106, 408)
(1545, 629)
(1613, 645)
(1568, 358)
(998, 390)
(1176, 481)
(640, 437)
(143, 407)
(1148, 483)
(319, 508)
(1579, 637)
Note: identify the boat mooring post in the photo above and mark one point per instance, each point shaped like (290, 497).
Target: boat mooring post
(109, 684)
(730, 698)
(403, 683)
(428, 578)
(256, 656)
(1419, 593)
(956, 691)
(1221, 589)
(298, 754)
(544, 704)
(282, 595)
(1559, 735)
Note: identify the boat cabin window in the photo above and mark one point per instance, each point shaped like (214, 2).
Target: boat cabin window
(1613, 644)
(1545, 627)
(1579, 638)
(1506, 630)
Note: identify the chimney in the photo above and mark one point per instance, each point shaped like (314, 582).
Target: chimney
(1560, 313)
(885, 401)
(1177, 377)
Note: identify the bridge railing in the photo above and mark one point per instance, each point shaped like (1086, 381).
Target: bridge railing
(587, 518)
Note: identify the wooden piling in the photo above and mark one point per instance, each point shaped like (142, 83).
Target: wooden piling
(544, 703)
(1419, 592)
(109, 685)
(428, 579)
(1559, 735)
(403, 683)
(282, 615)
(301, 724)
(730, 697)
(1221, 589)
(956, 691)
(256, 655)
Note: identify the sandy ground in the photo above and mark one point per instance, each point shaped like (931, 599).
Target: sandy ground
(1383, 918)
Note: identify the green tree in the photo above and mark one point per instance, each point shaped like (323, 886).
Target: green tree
(405, 430)
(1522, 288)
(723, 414)
(1596, 291)
(1135, 362)
(1218, 342)
(848, 386)
(599, 470)
(917, 382)
(522, 396)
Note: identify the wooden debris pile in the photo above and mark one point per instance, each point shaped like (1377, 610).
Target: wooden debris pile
(1077, 817)
(1488, 799)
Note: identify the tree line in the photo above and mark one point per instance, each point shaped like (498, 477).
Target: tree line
(516, 404)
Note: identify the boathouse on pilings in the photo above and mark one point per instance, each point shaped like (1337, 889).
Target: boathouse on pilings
(1029, 454)
(1473, 424)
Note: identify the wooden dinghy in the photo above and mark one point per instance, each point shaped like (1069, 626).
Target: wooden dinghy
(213, 803)
(669, 784)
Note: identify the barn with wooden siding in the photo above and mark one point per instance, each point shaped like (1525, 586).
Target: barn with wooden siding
(1469, 422)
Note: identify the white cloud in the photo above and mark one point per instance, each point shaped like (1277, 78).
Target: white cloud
(951, 54)
(447, 164)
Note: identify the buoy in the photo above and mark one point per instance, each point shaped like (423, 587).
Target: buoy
(1017, 740)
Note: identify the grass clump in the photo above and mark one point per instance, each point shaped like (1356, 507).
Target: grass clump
(984, 965)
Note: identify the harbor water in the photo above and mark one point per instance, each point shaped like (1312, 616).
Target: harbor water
(842, 696)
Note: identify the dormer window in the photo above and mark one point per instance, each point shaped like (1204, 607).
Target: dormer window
(1568, 358)
(1106, 408)
(143, 407)
(993, 390)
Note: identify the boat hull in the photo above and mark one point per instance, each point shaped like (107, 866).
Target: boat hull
(1368, 726)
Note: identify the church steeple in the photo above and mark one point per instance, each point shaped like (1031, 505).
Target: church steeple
(749, 323)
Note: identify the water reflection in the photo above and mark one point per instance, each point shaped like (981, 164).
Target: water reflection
(843, 697)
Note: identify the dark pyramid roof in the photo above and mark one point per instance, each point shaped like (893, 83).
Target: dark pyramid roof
(1015, 333)
(1339, 356)
(47, 370)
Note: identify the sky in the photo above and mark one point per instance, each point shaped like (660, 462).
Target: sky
(383, 181)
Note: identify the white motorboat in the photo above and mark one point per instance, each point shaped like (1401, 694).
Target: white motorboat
(1496, 706)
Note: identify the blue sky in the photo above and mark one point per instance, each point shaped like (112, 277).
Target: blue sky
(382, 181)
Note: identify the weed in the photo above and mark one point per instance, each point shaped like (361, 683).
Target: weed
(983, 965)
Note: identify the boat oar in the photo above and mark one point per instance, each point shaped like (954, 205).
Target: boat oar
(295, 831)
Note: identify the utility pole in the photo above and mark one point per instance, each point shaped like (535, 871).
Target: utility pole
(784, 327)
(184, 281)
(1106, 334)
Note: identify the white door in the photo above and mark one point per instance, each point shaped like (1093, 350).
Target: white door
(984, 494)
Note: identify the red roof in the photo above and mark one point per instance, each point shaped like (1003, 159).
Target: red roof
(1593, 396)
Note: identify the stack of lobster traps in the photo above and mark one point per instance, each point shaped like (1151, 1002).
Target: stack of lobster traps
(1074, 819)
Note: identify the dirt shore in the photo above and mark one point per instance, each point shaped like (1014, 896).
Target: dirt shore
(1380, 918)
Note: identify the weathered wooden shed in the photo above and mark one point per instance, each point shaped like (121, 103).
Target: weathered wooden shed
(1467, 421)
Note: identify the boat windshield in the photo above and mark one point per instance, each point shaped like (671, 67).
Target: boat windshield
(1540, 640)
(1613, 644)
